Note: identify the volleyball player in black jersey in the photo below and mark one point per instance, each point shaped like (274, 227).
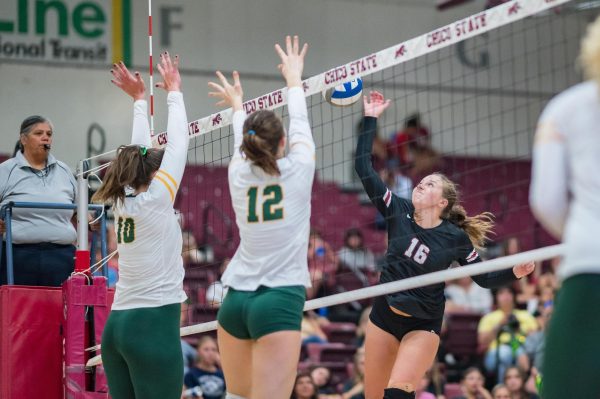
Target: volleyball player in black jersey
(425, 235)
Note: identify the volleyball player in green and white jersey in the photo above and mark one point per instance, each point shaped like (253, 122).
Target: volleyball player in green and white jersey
(565, 197)
(141, 349)
(259, 320)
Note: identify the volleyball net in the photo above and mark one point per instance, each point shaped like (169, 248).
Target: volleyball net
(465, 101)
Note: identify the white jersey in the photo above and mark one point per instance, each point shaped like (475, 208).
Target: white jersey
(149, 237)
(565, 188)
(273, 212)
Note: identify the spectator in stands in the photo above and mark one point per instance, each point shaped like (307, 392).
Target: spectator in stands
(355, 256)
(515, 382)
(206, 374)
(412, 147)
(400, 184)
(354, 388)
(190, 354)
(304, 387)
(191, 253)
(311, 331)
(421, 392)
(322, 265)
(472, 385)
(464, 295)
(544, 297)
(500, 391)
(42, 239)
(215, 293)
(502, 332)
(532, 360)
(549, 277)
(525, 287)
(512, 246)
(361, 329)
(321, 377)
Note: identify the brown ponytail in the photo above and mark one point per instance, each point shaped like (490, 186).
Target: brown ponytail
(477, 227)
(133, 167)
(263, 131)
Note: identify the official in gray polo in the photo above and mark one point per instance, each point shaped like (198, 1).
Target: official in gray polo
(43, 239)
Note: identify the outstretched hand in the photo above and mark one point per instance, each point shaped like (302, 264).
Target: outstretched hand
(169, 70)
(228, 94)
(130, 83)
(292, 61)
(375, 104)
(524, 269)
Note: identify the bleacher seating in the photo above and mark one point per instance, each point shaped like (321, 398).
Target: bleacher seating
(331, 352)
(487, 184)
(460, 337)
(344, 333)
(452, 390)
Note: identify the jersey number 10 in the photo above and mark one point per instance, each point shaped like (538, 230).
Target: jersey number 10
(272, 196)
(125, 230)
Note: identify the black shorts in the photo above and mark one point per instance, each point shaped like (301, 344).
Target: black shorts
(383, 317)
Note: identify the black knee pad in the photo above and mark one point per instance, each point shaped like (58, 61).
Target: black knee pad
(395, 393)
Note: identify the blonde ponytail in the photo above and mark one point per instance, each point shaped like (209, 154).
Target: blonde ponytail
(478, 227)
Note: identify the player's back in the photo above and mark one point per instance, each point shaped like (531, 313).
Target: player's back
(273, 217)
(575, 116)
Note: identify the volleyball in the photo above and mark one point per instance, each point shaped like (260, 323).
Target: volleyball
(345, 94)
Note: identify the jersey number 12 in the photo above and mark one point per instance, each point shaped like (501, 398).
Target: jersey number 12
(272, 196)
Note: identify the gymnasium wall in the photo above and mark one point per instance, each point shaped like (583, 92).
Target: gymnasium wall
(228, 34)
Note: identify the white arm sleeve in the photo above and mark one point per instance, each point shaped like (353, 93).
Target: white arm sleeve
(238, 132)
(302, 145)
(549, 192)
(140, 133)
(166, 182)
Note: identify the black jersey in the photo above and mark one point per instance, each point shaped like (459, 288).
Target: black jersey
(413, 250)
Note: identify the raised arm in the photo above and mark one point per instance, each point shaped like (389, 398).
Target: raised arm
(302, 145)
(378, 193)
(549, 193)
(173, 163)
(133, 85)
(231, 95)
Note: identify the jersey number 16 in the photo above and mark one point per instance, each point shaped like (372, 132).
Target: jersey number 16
(420, 255)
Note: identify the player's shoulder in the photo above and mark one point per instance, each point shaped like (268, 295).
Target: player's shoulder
(573, 99)
(457, 233)
(403, 204)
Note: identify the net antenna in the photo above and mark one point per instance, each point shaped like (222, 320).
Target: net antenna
(151, 68)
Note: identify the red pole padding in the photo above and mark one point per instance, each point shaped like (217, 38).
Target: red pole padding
(79, 296)
(30, 342)
(82, 260)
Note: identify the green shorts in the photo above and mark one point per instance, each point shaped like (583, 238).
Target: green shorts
(253, 314)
